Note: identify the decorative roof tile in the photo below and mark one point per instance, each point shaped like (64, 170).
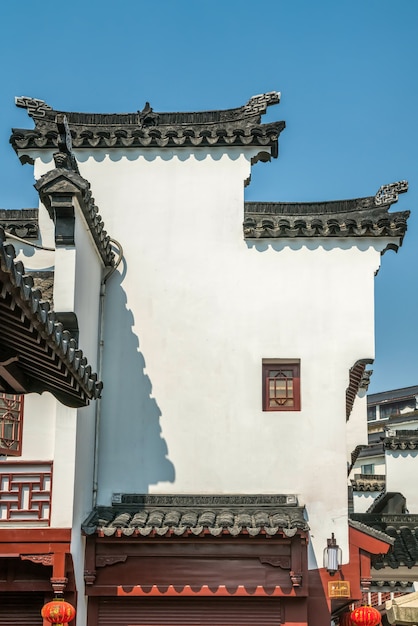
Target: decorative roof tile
(361, 217)
(159, 516)
(20, 222)
(46, 353)
(149, 129)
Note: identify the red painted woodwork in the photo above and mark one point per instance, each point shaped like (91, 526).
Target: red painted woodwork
(281, 386)
(35, 535)
(202, 565)
(11, 424)
(25, 492)
(136, 581)
(35, 559)
(356, 571)
(204, 590)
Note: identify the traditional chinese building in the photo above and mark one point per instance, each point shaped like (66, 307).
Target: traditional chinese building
(233, 341)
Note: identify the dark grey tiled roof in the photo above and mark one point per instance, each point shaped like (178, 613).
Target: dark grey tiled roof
(361, 217)
(47, 354)
(365, 482)
(401, 440)
(197, 515)
(149, 129)
(369, 530)
(20, 222)
(403, 529)
(395, 394)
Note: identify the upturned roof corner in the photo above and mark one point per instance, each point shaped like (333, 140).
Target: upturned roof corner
(149, 129)
(360, 217)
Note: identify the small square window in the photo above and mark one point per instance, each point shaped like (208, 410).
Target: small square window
(11, 423)
(367, 469)
(281, 385)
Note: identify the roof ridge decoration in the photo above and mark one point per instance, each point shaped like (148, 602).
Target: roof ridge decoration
(359, 217)
(62, 182)
(84, 383)
(148, 129)
(36, 108)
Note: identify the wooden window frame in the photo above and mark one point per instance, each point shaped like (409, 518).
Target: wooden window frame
(277, 364)
(18, 427)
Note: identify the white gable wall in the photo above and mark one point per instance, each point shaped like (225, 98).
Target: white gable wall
(190, 315)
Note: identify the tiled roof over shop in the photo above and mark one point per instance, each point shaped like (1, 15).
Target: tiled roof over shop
(156, 516)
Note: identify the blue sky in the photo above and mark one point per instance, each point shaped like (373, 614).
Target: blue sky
(348, 76)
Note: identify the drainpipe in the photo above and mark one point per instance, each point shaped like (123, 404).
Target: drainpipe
(98, 405)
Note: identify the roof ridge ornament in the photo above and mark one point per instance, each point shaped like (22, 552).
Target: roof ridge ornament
(258, 104)
(65, 157)
(147, 117)
(36, 108)
(387, 194)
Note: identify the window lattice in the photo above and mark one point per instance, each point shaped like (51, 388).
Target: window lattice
(11, 419)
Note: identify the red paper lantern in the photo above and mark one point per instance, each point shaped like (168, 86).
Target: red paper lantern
(58, 612)
(365, 616)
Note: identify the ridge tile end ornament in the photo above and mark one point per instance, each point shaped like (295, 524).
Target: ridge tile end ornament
(387, 194)
(258, 104)
(36, 108)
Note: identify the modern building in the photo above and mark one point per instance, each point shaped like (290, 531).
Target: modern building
(228, 361)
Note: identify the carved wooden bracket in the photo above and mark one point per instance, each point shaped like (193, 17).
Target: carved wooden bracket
(276, 561)
(89, 576)
(43, 559)
(103, 561)
(58, 585)
(296, 579)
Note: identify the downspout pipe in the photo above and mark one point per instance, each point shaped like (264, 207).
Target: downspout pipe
(98, 405)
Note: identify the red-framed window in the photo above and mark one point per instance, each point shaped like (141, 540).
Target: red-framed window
(281, 385)
(11, 424)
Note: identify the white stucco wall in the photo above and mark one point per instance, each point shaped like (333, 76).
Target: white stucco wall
(362, 500)
(190, 315)
(401, 466)
(357, 424)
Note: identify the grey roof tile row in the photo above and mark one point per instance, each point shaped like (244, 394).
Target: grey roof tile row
(109, 521)
(362, 217)
(148, 129)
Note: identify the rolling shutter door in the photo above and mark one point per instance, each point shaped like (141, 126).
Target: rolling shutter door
(189, 612)
(20, 609)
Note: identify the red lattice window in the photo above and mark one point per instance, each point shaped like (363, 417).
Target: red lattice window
(11, 423)
(281, 385)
